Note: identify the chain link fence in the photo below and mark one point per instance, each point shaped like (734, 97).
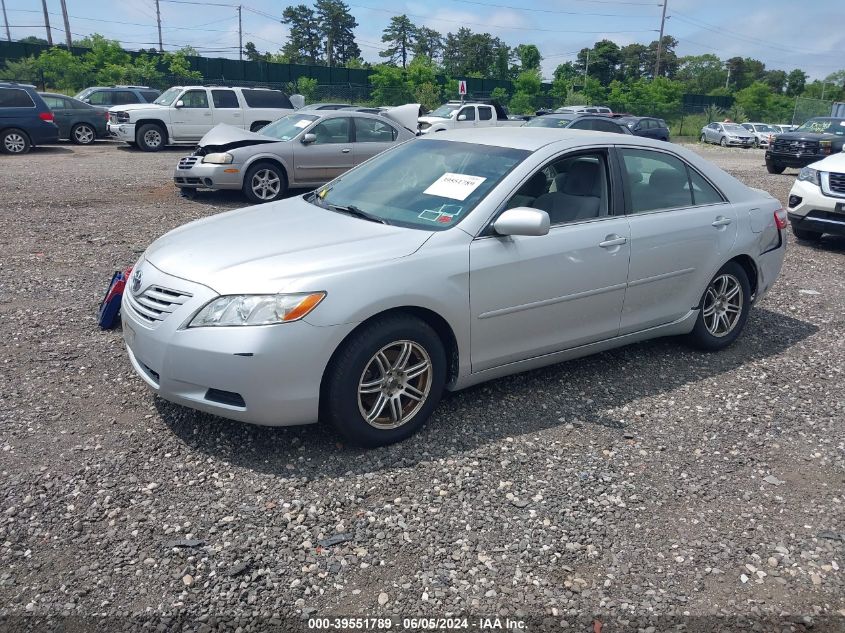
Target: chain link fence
(808, 108)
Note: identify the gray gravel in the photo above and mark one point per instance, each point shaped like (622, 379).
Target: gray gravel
(641, 488)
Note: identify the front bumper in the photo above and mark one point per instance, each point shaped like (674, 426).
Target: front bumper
(121, 131)
(738, 142)
(793, 160)
(208, 176)
(267, 375)
(815, 211)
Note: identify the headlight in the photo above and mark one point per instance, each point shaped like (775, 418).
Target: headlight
(223, 158)
(256, 309)
(121, 117)
(809, 175)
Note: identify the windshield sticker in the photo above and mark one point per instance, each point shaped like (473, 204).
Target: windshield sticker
(451, 209)
(455, 186)
(445, 218)
(303, 123)
(428, 214)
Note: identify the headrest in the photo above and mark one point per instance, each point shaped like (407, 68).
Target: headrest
(582, 179)
(668, 179)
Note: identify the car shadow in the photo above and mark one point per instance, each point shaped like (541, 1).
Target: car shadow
(232, 196)
(50, 149)
(828, 243)
(168, 149)
(579, 392)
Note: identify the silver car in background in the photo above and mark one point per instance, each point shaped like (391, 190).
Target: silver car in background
(726, 134)
(761, 132)
(304, 149)
(443, 263)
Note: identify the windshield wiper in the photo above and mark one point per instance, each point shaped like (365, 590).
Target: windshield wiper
(358, 213)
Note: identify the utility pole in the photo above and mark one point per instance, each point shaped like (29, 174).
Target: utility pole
(158, 19)
(46, 21)
(728, 78)
(6, 21)
(67, 25)
(586, 68)
(240, 35)
(660, 40)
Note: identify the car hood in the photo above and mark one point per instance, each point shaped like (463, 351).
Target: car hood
(432, 119)
(807, 136)
(277, 247)
(224, 136)
(834, 162)
(130, 107)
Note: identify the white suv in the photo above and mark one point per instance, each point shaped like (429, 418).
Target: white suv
(183, 114)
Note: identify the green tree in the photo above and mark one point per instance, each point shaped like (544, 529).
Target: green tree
(336, 26)
(529, 56)
(600, 62)
(795, 82)
(388, 85)
(428, 43)
(178, 65)
(499, 94)
(701, 73)
(253, 54)
(23, 70)
(307, 87)
(63, 71)
(776, 80)
(305, 41)
(668, 58)
(31, 39)
(400, 35)
(466, 53)
(633, 62)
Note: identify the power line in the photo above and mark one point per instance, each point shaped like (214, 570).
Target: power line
(554, 11)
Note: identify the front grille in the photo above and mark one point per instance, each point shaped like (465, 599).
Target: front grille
(787, 146)
(837, 182)
(188, 161)
(187, 181)
(155, 303)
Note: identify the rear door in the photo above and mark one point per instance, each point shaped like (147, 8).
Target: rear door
(486, 116)
(329, 155)
(372, 136)
(61, 114)
(193, 118)
(682, 231)
(226, 108)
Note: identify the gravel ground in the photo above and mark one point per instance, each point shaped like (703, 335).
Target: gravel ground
(641, 488)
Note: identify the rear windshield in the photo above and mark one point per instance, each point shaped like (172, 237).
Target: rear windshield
(267, 99)
(150, 95)
(15, 98)
(824, 126)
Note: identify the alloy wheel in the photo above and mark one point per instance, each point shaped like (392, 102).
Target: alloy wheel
(83, 134)
(266, 184)
(395, 384)
(14, 143)
(722, 305)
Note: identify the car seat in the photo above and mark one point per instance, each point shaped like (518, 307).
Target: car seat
(578, 196)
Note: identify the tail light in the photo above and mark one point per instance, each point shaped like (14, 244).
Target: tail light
(780, 219)
(46, 116)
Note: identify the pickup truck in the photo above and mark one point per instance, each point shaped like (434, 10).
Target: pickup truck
(455, 115)
(183, 114)
(814, 140)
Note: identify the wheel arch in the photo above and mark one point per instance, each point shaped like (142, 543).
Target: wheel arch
(751, 270)
(439, 324)
(157, 122)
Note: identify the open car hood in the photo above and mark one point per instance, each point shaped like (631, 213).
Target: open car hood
(405, 115)
(224, 136)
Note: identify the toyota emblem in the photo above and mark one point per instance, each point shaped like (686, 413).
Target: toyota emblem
(136, 281)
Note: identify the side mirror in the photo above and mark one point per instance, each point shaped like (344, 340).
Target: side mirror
(522, 221)
(179, 104)
(86, 100)
(462, 117)
(309, 138)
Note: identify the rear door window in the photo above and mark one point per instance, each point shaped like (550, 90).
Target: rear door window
(485, 113)
(54, 103)
(656, 180)
(373, 131)
(225, 99)
(149, 95)
(266, 99)
(15, 98)
(122, 97)
(100, 97)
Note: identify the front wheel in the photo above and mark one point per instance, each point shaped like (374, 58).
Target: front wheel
(151, 137)
(385, 381)
(774, 168)
(723, 142)
(756, 143)
(703, 139)
(83, 134)
(723, 310)
(14, 141)
(265, 182)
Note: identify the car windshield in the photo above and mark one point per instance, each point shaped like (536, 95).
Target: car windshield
(764, 128)
(549, 121)
(168, 96)
(422, 184)
(83, 94)
(444, 111)
(824, 126)
(734, 127)
(288, 126)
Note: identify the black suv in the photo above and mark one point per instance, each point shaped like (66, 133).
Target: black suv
(117, 95)
(25, 120)
(817, 138)
(646, 126)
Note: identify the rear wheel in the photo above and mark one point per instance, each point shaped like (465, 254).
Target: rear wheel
(774, 168)
(14, 141)
(385, 381)
(804, 234)
(724, 309)
(151, 137)
(83, 134)
(265, 182)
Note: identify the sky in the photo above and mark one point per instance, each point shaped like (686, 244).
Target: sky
(781, 33)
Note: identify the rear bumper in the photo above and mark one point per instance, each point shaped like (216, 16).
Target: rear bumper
(43, 134)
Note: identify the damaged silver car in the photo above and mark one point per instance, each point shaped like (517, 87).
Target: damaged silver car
(304, 149)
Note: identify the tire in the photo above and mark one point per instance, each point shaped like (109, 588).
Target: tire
(756, 143)
(151, 137)
(265, 182)
(721, 327)
(774, 168)
(804, 234)
(357, 363)
(14, 141)
(723, 142)
(255, 127)
(83, 134)
(703, 139)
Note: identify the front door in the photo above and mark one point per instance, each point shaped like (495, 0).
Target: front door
(329, 155)
(681, 232)
(531, 296)
(193, 119)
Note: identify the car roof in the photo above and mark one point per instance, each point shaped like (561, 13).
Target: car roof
(533, 138)
(12, 84)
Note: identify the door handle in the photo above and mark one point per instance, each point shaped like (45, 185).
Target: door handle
(345, 150)
(207, 114)
(613, 240)
(721, 221)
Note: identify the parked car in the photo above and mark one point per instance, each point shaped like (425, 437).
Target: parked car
(367, 109)
(445, 262)
(324, 106)
(25, 120)
(815, 139)
(780, 129)
(183, 114)
(817, 199)
(455, 115)
(760, 132)
(649, 127)
(304, 149)
(584, 110)
(726, 134)
(594, 122)
(117, 95)
(77, 121)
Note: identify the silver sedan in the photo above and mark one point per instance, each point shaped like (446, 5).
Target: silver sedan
(726, 135)
(304, 149)
(443, 263)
